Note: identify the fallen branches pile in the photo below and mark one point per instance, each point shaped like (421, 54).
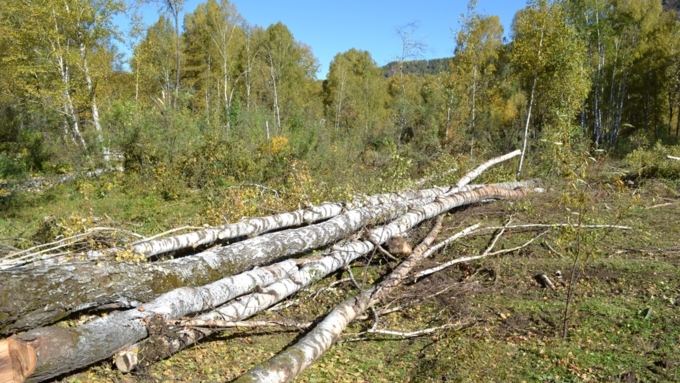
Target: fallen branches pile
(234, 281)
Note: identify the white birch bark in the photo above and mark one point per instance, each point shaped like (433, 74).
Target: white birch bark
(93, 105)
(481, 168)
(531, 103)
(288, 364)
(526, 128)
(101, 338)
(124, 328)
(273, 76)
(249, 305)
(67, 101)
(439, 206)
(245, 306)
(79, 286)
(255, 226)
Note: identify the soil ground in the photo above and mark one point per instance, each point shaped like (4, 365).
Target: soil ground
(623, 326)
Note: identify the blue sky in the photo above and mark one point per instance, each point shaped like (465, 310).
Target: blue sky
(332, 27)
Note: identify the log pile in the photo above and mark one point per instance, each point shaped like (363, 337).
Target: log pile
(249, 269)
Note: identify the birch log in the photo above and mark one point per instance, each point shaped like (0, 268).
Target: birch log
(288, 364)
(249, 305)
(440, 205)
(42, 295)
(254, 226)
(58, 350)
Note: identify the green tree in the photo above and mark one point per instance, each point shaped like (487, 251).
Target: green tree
(289, 72)
(477, 46)
(354, 92)
(153, 62)
(52, 44)
(549, 58)
(630, 47)
(213, 39)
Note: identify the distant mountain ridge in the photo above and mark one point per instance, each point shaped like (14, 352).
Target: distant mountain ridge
(419, 67)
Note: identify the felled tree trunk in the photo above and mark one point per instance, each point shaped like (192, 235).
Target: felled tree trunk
(244, 307)
(42, 295)
(288, 364)
(259, 225)
(58, 350)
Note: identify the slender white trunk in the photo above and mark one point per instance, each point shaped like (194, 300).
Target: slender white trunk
(472, 120)
(531, 103)
(64, 71)
(526, 128)
(272, 73)
(338, 111)
(93, 105)
(175, 11)
(249, 67)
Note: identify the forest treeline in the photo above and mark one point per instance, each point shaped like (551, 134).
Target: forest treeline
(418, 67)
(214, 100)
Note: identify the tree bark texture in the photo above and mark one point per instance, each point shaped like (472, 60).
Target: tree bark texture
(441, 205)
(42, 295)
(74, 287)
(290, 363)
(246, 306)
(255, 226)
(59, 350)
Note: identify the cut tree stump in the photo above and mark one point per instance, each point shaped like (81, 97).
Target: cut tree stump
(17, 360)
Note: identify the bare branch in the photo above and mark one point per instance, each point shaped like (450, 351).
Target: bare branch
(472, 258)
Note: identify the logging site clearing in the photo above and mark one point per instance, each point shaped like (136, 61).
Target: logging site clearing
(541, 280)
(190, 195)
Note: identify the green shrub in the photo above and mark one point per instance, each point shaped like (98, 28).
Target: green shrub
(654, 162)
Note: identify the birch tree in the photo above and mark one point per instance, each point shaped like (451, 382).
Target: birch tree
(477, 46)
(629, 45)
(213, 37)
(289, 68)
(153, 61)
(56, 42)
(354, 91)
(549, 58)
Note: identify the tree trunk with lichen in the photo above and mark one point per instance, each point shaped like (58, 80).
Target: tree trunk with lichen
(59, 350)
(42, 295)
(255, 226)
(162, 345)
(290, 363)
